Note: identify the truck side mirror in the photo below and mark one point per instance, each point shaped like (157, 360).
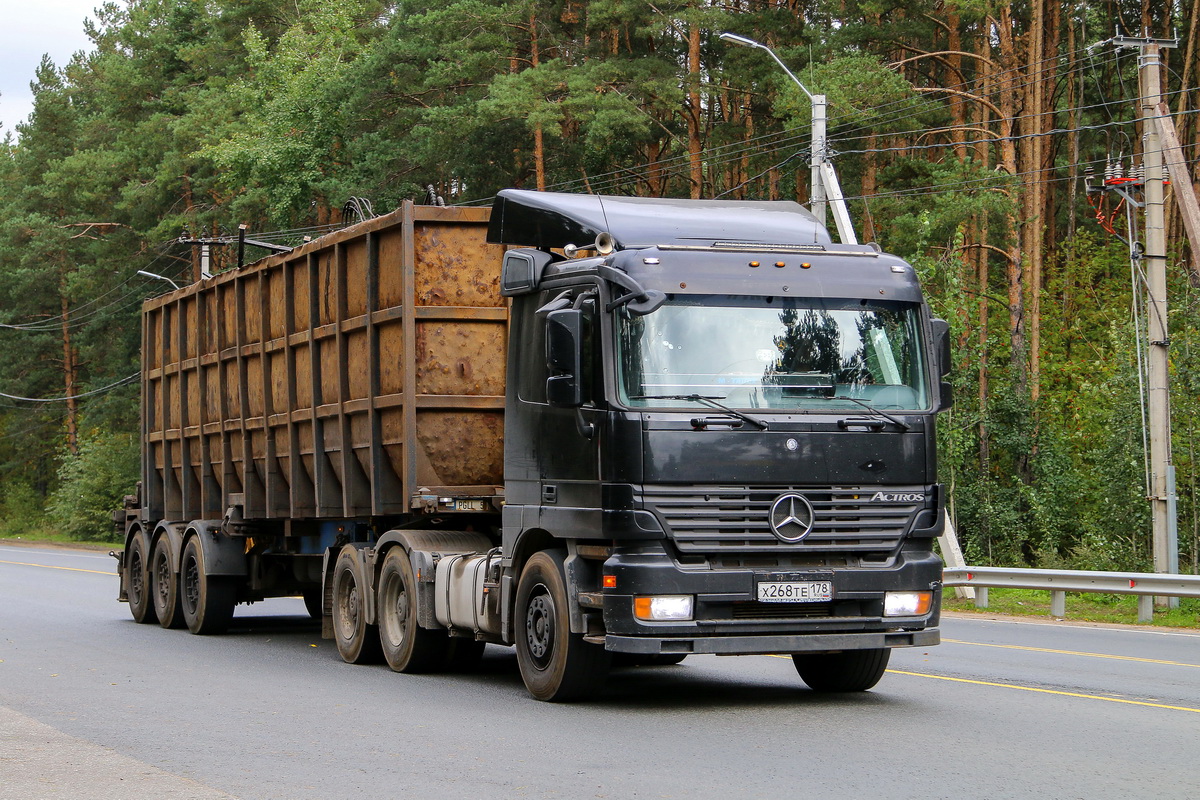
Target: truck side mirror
(945, 362)
(564, 358)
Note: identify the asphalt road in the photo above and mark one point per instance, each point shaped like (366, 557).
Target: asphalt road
(93, 705)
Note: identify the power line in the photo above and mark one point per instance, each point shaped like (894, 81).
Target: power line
(101, 390)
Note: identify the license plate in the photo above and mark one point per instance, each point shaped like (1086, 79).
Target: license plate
(470, 505)
(795, 591)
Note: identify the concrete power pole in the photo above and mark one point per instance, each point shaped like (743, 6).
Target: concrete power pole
(1154, 258)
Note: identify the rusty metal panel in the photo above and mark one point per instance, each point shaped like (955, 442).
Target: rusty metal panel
(333, 381)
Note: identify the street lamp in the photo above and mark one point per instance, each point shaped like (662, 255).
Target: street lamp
(160, 277)
(823, 183)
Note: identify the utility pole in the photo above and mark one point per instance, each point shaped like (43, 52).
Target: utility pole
(1154, 258)
(824, 189)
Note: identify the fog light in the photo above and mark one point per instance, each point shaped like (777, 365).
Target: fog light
(668, 607)
(906, 604)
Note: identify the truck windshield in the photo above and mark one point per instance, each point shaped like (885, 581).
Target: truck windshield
(773, 353)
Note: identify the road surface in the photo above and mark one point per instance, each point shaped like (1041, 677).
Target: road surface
(93, 705)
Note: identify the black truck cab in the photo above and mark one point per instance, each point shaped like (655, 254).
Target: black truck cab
(727, 421)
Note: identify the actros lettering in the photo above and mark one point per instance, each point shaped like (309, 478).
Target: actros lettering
(885, 497)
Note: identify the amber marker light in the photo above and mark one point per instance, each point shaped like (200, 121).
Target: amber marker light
(610, 581)
(755, 264)
(780, 264)
(806, 265)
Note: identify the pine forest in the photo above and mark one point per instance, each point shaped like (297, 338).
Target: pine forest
(970, 137)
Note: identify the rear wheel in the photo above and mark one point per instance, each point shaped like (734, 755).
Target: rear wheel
(164, 585)
(407, 646)
(848, 671)
(556, 665)
(207, 600)
(137, 581)
(357, 642)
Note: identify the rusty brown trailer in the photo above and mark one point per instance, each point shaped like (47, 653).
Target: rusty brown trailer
(341, 380)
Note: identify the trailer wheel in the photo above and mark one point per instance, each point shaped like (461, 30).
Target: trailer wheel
(406, 645)
(357, 642)
(164, 585)
(848, 671)
(556, 665)
(137, 586)
(207, 600)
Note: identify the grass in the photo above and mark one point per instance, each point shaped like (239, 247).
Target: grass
(1086, 607)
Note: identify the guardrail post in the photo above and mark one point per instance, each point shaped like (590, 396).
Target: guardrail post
(1146, 608)
(981, 597)
(1058, 604)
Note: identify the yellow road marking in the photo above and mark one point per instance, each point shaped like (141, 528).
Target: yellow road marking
(1044, 691)
(48, 566)
(1073, 653)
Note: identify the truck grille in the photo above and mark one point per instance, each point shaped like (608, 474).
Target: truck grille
(735, 520)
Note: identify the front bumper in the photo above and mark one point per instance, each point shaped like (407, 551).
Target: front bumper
(728, 619)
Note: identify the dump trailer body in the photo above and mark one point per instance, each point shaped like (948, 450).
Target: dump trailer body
(348, 379)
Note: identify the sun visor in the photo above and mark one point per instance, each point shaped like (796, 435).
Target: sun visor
(555, 219)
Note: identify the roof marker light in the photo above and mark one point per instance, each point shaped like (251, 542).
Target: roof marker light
(755, 264)
(780, 264)
(806, 265)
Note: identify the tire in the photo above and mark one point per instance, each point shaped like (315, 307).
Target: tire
(137, 581)
(207, 600)
(556, 665)
(848, 671)
(407, 647)
(357, 642)
(164, 585)
(312, 601)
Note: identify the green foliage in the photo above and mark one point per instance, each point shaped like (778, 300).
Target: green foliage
(92, 485)
(198, 115)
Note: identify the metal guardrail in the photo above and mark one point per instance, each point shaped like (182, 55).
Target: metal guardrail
(1147, 585)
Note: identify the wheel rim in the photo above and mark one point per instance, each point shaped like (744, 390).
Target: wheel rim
(136, 585)
(191, 583)
(347, 605)
(162, 574)
(395, 610)
(539, 626)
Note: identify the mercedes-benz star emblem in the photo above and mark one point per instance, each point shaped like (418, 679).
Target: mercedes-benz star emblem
(791, 517)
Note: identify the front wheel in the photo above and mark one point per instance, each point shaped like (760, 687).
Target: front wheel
(556, 665)
(207, 600)
(848, 671)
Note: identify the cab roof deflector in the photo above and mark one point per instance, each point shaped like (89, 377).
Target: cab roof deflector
(556, 219)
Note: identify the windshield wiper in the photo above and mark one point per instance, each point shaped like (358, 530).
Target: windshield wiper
(706, 400)
(901, 425)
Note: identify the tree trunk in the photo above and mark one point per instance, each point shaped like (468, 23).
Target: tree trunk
(695, 163)
(70, 377)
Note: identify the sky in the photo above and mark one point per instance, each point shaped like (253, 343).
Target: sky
(29, 29)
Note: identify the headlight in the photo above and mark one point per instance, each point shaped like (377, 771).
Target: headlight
(663, 608)
(907, 604)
